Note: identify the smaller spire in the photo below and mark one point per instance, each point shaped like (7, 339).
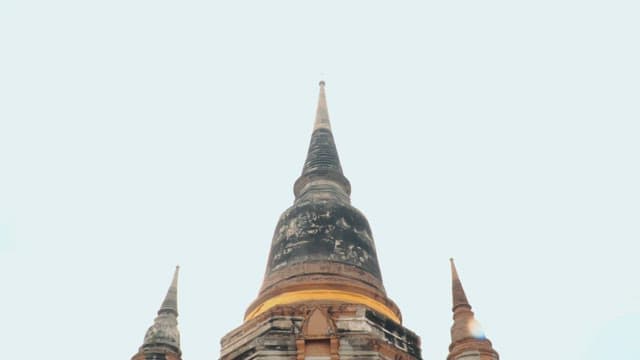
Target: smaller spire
(467, 337)
(459, 296)
(164, 335)
(170, 303)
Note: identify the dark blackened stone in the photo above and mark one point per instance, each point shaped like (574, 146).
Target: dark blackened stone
(155, 356)
(323, 231)
(322, 153)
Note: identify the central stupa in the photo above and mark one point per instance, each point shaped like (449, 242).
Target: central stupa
(322, 247)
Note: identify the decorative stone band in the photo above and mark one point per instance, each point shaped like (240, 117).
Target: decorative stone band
(325, 295)
(326, 277)
(320, 180)
(472, 348)
(313, 272)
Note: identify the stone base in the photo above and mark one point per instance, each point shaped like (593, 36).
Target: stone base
(320, 331)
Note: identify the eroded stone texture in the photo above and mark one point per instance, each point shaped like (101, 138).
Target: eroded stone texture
(322, 297)
(334, 331)
(162, 339)
(323, 230)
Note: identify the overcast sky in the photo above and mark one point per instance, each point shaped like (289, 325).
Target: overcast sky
(136, 135)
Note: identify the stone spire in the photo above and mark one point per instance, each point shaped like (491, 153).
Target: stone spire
(162, 340)
(322, 111)
(468, 341)
(322, 295)
(170, 303)
(322, 247)
(322, 175)
(459, 297)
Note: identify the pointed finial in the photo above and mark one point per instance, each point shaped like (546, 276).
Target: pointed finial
(170, 303)
(459, 296)
(322, 175)
(322, 112)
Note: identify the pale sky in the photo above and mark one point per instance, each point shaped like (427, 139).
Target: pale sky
(136, 135)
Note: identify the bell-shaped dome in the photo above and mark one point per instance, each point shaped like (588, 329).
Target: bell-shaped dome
(322, 247)
(163, 332)
(323, 231)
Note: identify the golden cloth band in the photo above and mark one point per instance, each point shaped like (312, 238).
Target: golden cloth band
(323, 295)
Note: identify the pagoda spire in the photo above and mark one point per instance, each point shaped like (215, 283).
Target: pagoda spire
(162, 340)
(459, 296)
(322, 248)
(467, 338)
(170, 303)
(322, 175)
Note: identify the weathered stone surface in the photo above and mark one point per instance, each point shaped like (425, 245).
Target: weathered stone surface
(344, 331)
(466, 344)
(322, 242)
(323, 231)
(322, 296)
(162, 339)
